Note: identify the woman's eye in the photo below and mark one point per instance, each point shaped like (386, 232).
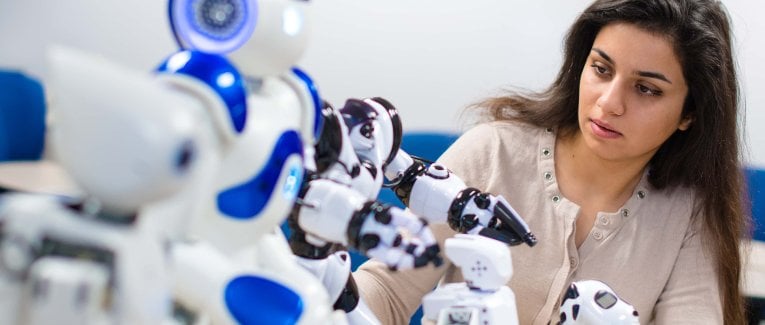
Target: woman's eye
(647, 90)
(599, 69)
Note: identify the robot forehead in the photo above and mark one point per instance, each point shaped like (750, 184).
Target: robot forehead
(356, 112)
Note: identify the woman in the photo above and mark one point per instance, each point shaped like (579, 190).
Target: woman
(627, 169)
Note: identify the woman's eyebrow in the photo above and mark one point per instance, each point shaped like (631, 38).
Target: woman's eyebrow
(647, 74)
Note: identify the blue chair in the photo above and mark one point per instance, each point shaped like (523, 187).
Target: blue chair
(22, 117)
(756, 181)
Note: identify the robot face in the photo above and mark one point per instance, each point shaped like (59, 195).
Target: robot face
(213, 26)
(126, 138)
(264, 37)
(594, 302)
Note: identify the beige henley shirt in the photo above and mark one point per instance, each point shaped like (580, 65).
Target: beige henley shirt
(648, 251)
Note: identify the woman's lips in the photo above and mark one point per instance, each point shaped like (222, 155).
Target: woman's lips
(603, 130)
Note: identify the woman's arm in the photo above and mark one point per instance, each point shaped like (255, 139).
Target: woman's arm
(691, 295)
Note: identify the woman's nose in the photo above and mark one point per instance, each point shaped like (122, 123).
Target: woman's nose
(612, 99)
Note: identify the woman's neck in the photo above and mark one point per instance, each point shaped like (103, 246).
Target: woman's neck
(586, 177)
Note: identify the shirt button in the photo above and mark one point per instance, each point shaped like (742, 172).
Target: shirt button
(625, 213)
(641, 194)
(573, 262)
(555, 199)
(605, 220)
(548, 176)
(597, 235)
(546, 152)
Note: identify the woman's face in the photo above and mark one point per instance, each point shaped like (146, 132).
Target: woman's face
(631, 94)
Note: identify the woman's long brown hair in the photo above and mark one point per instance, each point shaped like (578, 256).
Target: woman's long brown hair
(706, 157)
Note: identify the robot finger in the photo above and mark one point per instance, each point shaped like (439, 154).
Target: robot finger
(407, 220)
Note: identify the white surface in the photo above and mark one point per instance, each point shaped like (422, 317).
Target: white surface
(754, 273)
(430, 58)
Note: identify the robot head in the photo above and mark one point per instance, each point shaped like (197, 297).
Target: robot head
(374, 128)
(594, 302)
(263, 37)
(124, 137)
(485, 263)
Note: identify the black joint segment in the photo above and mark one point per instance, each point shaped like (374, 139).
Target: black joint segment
(349, 297)
(381, 213)
(357, 220)
(455, 219)
(368, 241)
(482, 201)
(370, 168)
(355, 171)
(397, 242)
(404, 188)
(433, 252)
(505, 237)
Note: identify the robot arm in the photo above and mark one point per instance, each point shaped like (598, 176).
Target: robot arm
(337, 205)
(334, 213)
(432, 192)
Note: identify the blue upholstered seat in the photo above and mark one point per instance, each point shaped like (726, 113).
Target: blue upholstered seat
(22, 117)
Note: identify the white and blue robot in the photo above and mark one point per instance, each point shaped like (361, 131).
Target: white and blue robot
(128, 141)
(264, 39)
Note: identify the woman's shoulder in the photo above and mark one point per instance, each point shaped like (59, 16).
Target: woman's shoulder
(498, 131)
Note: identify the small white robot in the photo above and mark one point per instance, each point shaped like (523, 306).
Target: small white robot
(483, 298)
(91, 260)
(592, 302)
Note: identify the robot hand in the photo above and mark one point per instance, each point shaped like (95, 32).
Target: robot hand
(594, 302)
(430, 191)
(330, 212)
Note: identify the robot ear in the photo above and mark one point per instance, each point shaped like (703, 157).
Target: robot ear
(216, 81)
(218, 27)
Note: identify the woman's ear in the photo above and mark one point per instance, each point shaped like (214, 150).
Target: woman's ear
(685, 123)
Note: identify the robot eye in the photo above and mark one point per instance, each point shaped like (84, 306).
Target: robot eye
(366, 130)
(185, 156)
(219, 18)
(605, 299)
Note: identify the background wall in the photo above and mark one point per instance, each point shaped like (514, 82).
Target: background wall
(430, 58)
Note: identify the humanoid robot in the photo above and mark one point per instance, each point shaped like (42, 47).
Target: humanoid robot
(264, 39)
(91, 260)
(592, 302)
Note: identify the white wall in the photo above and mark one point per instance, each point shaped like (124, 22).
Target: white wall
(430, 58)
